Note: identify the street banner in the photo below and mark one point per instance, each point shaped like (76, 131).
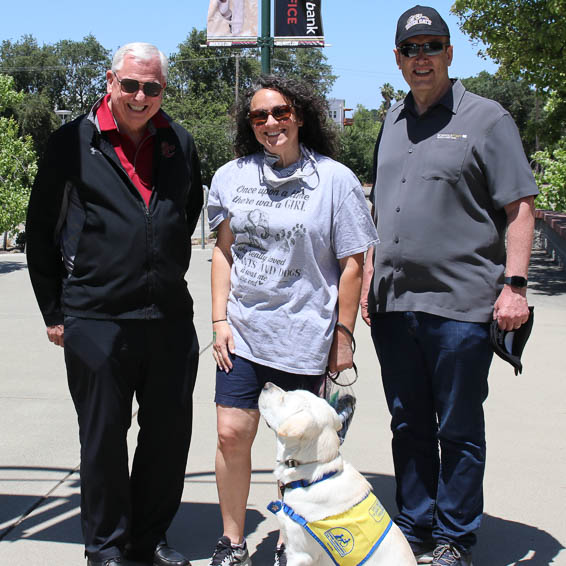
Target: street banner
(232, 23)
(298, 23)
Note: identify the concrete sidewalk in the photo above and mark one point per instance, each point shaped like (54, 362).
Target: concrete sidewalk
(525, 484)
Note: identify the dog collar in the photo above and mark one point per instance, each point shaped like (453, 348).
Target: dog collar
(292, 463)
(305, 483)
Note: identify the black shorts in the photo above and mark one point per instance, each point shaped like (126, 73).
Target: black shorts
(242, 385)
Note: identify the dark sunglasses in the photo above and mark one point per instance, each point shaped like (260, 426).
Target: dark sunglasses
(429, 48)
(130, 86)
(280, 113)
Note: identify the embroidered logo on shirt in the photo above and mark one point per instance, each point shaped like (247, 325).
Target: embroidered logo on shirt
(451, 136)
(167, 150)
(418, 19)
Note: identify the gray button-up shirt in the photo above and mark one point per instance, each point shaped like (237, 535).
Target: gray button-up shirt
(442, 181)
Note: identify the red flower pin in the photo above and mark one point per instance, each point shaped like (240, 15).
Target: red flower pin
(167, 150)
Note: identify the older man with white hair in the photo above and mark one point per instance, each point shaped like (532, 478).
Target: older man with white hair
(116, 199)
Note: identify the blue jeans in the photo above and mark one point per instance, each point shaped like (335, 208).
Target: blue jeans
(434, 373)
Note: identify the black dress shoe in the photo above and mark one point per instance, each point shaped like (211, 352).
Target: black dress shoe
(166, 556)
(108, 562)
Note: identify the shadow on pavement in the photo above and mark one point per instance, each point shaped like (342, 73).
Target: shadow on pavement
(500, 541)
(545, 275)
(197, 526)
(10, 266)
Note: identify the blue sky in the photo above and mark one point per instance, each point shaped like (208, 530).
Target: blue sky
(361, 34)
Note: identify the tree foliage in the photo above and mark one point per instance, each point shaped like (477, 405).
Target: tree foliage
(36, 118)
(357, 142)
(198, 71)
(309, 65)
(517, 97)
(18, 162)
(34, 69)
(201, 92)
(525, 36)
(204, 83)
(85, 63)
(552, 178)
(389, 95)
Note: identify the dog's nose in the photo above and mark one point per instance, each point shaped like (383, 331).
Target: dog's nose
(268, 386)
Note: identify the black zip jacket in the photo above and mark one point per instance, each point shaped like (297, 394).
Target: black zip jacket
(94, 249)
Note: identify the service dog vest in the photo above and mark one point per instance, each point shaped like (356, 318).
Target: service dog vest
(349, 538)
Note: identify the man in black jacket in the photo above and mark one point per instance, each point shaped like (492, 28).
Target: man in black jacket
(112, 210)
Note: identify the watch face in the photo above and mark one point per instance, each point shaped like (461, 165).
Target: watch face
(516, 281)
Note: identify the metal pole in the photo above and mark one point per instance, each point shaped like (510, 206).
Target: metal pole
(237, 76)
(266, 37)
(202, 221)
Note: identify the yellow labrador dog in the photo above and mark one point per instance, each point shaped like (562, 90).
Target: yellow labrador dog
(328, 514)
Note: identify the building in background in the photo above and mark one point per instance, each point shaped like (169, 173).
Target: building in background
(337, 112)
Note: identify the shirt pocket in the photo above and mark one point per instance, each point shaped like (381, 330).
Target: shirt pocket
(444, 160)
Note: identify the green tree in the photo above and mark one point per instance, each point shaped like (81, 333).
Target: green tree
(34, 69)
(85, 64)
(200, 94)
(552, 178)
(36, 118)
(357, 143)
(516, 96)
(310, 65)
(69, 75)
(389, 95)
(525, 36)
(18, 162)
(199, 71)
(208, 120)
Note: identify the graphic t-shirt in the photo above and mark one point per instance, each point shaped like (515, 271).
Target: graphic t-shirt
(290, 229)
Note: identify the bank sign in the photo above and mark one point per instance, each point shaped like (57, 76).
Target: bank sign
(298, 23)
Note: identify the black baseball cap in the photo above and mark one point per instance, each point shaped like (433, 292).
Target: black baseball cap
(420, 20)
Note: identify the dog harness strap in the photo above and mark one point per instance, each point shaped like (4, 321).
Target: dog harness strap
(348, 538)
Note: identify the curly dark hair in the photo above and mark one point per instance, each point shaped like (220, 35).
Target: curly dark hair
(317, 133)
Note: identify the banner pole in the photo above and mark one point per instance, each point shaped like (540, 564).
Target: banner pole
(266, 37)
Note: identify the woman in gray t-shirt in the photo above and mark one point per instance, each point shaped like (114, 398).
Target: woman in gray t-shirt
(292, 228)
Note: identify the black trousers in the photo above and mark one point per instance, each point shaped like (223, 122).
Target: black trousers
(109, 361)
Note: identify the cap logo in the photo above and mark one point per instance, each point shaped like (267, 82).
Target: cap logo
(418, 19)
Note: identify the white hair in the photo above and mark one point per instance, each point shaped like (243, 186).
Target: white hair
(143, 51)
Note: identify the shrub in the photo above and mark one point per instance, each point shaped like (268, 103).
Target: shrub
(552, 178)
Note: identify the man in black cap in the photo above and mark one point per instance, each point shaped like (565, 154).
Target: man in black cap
(451, 180)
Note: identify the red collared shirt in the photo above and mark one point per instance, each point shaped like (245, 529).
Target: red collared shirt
(136, 161)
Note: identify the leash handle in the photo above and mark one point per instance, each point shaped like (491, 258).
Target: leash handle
(334, 377)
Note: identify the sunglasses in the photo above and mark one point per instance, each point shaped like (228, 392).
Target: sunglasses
(280, 113)
(130, 86)
(429, 48)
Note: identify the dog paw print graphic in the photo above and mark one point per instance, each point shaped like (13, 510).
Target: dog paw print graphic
(290, 237)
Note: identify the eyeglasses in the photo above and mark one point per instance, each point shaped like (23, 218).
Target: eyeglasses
(429, 48)
(280, 113)
(130, 86)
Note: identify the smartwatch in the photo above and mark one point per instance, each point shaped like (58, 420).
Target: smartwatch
(516, 281)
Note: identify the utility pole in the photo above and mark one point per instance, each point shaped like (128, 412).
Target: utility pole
(266, 41)
(237, 77)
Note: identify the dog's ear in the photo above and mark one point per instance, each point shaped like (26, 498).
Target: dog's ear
(296, 425)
